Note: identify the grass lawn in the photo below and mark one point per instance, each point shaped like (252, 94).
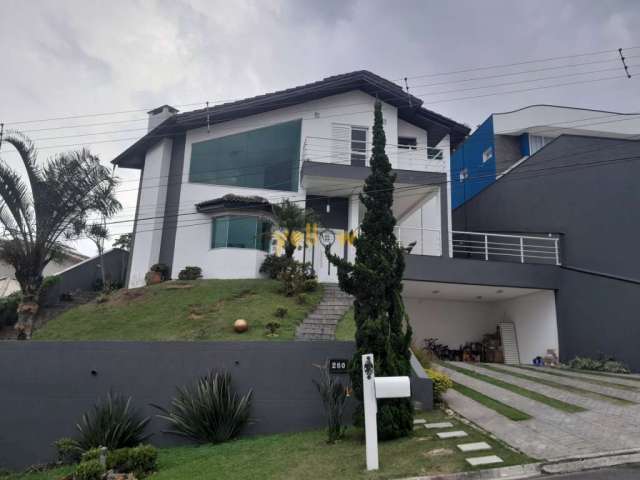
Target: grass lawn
(538, 397)
(306, 456)
(346, 330)
(181, 310)
(570, 374)
(561, 386)
(496, 405)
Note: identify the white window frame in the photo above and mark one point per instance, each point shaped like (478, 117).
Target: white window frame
(353, 152)
(487, 154)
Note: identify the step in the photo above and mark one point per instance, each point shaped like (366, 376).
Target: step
(321, 322)
(474, 447)
(477, 461)
(453, 434)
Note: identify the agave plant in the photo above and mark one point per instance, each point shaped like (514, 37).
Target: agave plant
(210, 411)
(112, 423)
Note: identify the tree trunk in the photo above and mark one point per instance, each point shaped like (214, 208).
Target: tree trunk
(27, 311)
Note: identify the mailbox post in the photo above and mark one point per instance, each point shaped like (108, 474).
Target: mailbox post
(372, 389)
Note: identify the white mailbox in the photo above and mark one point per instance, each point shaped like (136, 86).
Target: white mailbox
(393, 387)
(372, 389)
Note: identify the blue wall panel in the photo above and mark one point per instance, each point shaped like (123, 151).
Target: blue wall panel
(469, 156)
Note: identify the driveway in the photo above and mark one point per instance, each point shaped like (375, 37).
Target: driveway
(610, 420)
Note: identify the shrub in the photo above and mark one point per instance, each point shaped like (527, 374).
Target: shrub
(422, 355)
(9, 309)
(272, 328)
(112, 423)
(441, 383)
(302, 298)
(209, 411)
(91, 470)
(295, 278)
(333, 395)
(281, 312)
(190, 273)
(612, 366)
(604, 364)
(68, 451)
(310, 285)
(91, 454)
(139, 460)
(273, 265)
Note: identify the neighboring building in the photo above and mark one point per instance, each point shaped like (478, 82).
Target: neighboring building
(9, 285)
(583, 188)
(504, 139)
(209, 176)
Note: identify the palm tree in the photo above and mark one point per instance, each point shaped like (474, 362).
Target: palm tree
(50, 207)
(291, 218)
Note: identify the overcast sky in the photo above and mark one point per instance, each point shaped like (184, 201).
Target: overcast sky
(67, 58)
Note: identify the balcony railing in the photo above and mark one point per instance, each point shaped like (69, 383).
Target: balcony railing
(420, 241)
(504, 247)
(332, 150)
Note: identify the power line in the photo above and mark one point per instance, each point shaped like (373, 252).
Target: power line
(514, 64)
(221, 101)
(359, 112)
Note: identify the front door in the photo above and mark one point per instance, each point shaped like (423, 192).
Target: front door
(315, 254)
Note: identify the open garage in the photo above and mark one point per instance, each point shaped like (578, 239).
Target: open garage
(463, 316)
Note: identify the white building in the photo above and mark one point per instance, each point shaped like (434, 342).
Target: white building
(309, 144)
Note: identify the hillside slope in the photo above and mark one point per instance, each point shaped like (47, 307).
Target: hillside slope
(197, 310)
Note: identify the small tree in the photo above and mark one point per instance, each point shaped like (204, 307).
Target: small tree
(123, 242)
(39, 214)
(106, 205)
(291, 218)
(375, 280)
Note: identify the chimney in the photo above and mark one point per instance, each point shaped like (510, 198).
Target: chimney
(159, 115)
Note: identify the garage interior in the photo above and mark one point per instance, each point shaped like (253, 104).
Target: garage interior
(483, 323)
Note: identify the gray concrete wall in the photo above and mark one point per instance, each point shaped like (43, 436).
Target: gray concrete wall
(585, 189)
(83, 276)
(46, 386)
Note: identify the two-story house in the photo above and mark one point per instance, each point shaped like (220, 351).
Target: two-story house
(209, 176)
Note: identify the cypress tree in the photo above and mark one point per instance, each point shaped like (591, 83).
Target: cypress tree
(375, 281)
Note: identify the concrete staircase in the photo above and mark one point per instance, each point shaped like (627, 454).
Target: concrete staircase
(322, 322)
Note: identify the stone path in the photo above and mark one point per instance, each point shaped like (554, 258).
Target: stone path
(322, 322)
(463, 447)
(551, 433)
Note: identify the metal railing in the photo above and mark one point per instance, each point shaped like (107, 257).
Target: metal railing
(333, 150)
(505, 247)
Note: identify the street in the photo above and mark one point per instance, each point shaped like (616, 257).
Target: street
(631, 472)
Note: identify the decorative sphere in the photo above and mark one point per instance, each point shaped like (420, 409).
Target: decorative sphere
(240, 325)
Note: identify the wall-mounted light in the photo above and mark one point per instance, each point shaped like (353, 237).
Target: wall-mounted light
(479, 297)
(435, 292)
(328, 206)
(499, 291)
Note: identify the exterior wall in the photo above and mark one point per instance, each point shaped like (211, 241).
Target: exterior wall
(59, 375)
(424, 226)
(585, 182)
(452, 322)
(468, 157)
(9, 286)
(534, 317)
(83, 276)
(151, 210)
(507, 152)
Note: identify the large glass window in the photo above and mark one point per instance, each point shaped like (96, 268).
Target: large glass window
(241, 232)
(266, 158)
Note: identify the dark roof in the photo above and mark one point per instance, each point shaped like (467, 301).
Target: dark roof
(409, 107)
(233, 202)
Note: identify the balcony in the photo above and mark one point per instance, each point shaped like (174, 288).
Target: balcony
(345, 152)
(507, 248)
